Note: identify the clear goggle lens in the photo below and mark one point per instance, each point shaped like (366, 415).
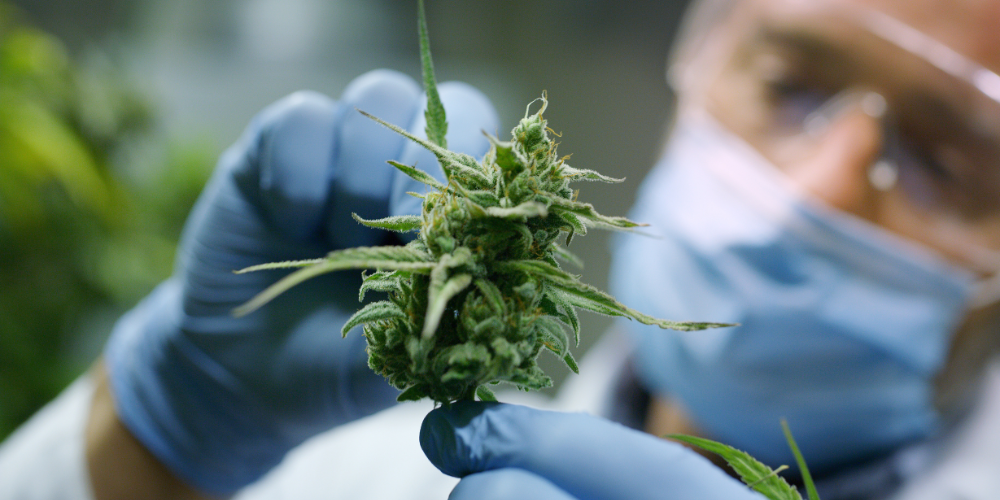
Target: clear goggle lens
(938, 113)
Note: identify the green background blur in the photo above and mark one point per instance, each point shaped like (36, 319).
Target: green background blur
(112, 113)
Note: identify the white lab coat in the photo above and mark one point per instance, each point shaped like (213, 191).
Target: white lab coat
(379, 457)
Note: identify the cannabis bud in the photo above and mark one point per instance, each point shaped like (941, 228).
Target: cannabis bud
(479, 293)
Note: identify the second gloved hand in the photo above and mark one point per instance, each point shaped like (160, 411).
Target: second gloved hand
(507, 451)
(220, 400)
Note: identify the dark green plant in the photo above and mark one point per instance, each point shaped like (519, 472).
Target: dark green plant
(77, 246)
(479, 293)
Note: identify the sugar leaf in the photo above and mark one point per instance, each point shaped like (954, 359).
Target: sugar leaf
(571, 362)
(417, 175)
(398, 223)
(587, 175)
(381, 281)
(375, 311)
(485, 394)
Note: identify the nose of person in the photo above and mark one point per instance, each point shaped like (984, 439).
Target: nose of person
(836, 172)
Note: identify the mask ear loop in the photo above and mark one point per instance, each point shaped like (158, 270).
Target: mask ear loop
(987, 292)
(987, 289)
(979, 261)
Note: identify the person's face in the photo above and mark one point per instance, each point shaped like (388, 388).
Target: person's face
(781, 61)
(775, 65)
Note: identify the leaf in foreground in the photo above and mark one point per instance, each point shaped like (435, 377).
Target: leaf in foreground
(752, 472)
(801, 462)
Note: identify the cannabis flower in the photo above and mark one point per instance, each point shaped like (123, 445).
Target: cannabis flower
(479, 293)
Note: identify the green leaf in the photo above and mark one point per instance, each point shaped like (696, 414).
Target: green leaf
(492, 295)
(462, 362)
(553, 305)
(437, 124)
(372, 257)
(526, 238)
(379, 282)
(575, 225)
(567, 256)
(539, 269)
(505, 156)
(592, 304)
(417, 175)
(463, 168)
(571, 361)
(578, 174)
(412, 393)
(485, 394)
(553, 336)
(375, 311)
(279, 265)
(492, 324)
(532, 378)
(755, 474)
(801, 462)
(398, 223)
(587, 297)
(388, 257)
(481, 197)
(574, 321)
(588, 215)
(438, 298)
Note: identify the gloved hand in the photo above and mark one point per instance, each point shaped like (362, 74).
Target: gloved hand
(505, 451)
(220, 400)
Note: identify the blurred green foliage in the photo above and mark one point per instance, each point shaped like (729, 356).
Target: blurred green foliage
(89, 215)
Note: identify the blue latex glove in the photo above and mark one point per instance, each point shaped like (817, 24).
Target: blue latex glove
(218, 399)
(508, 451)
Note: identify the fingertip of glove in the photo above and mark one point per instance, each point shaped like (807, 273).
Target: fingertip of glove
(373, 88)
(470, 112)
(445, 437)
(290, 111)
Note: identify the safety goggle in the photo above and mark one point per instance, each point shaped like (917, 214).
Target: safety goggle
(938, 112)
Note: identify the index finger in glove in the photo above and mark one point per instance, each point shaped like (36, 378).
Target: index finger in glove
(321, 164)
(588, 457)
(307, 156)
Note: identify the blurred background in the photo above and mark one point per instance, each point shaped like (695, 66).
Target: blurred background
(112, 113)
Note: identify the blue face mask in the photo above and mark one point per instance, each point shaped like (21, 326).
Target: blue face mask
(843, 325)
